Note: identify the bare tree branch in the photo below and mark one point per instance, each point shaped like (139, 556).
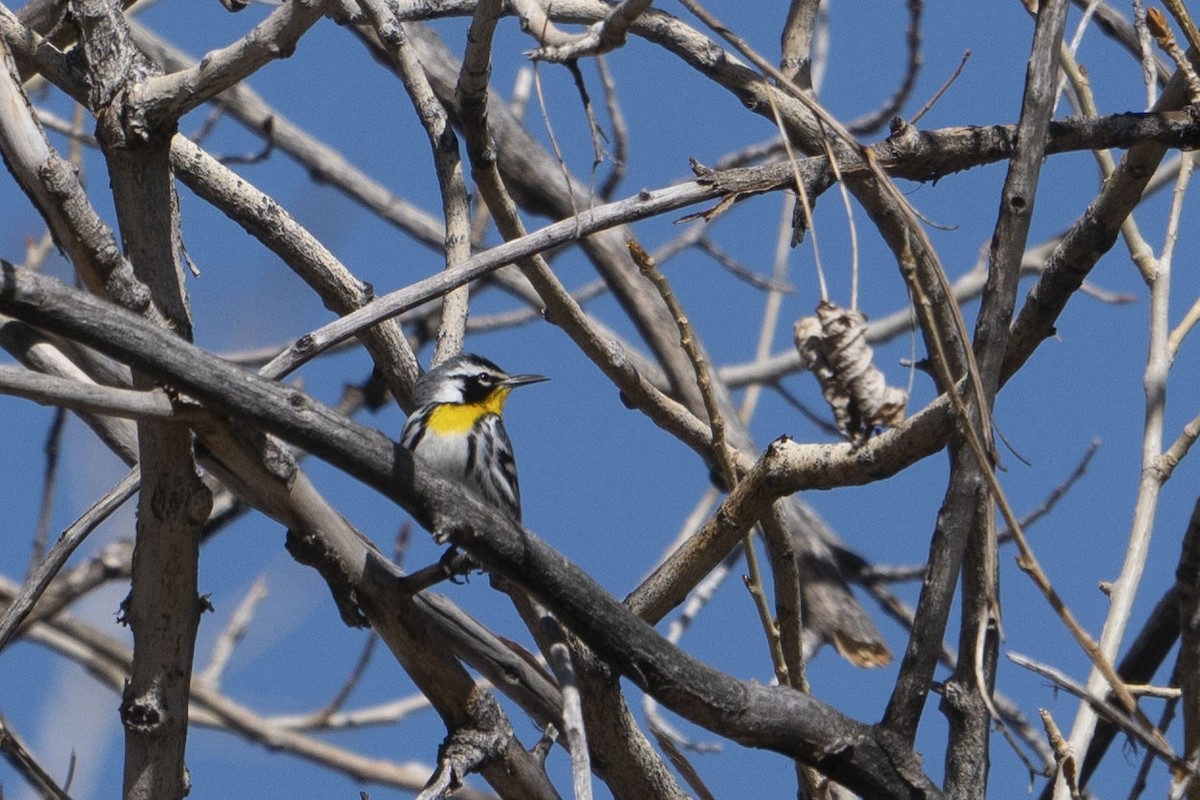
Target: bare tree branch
(774, 718)
(116, 352)
(23, 762)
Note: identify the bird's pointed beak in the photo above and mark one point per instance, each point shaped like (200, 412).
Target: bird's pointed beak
(520, 380)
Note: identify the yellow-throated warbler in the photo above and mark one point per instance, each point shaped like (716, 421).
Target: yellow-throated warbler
(455, 427)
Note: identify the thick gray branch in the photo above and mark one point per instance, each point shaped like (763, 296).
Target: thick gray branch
(775, 718)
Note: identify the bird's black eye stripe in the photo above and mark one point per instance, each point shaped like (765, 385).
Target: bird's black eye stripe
(477, 387)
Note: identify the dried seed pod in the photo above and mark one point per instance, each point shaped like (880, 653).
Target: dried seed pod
(834, 348)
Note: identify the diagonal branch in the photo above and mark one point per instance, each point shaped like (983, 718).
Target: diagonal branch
(169, 97)
(23, 762)
(774, 718)
(38, 581)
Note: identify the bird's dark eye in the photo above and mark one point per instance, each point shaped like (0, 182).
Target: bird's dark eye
(484, 378)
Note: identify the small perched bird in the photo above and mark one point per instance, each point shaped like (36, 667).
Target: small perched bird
(456, 430)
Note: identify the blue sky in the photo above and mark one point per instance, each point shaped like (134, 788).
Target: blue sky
(600, 482)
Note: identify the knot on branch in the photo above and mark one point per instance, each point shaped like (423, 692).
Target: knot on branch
(121, 120)
(486, 736)
(313, 551)
(144, 713)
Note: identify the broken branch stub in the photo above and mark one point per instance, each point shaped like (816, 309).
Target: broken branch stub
(834, 348)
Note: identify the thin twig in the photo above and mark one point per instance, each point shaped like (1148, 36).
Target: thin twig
(770, 318)
(620, 132)
(720, 448)
(49, 481)
(789, 625)
(740, 271)
(697, 601)
(670, 747)
(1139, 250)
(559, 657)
(690, 343)
(35, 585)
(385, 714)
(1150, 737)
(24, 764)
(932, 101)
(1073, 47)
(1060, 491)
(562, 163)
(234, 632)
(805, 204)
(844, 193)
(1174, 454)
(872, 122)
(1185, 326)
(595, 132)
(1150, 66)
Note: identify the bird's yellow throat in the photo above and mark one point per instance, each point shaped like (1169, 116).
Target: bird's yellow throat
(459, 418)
